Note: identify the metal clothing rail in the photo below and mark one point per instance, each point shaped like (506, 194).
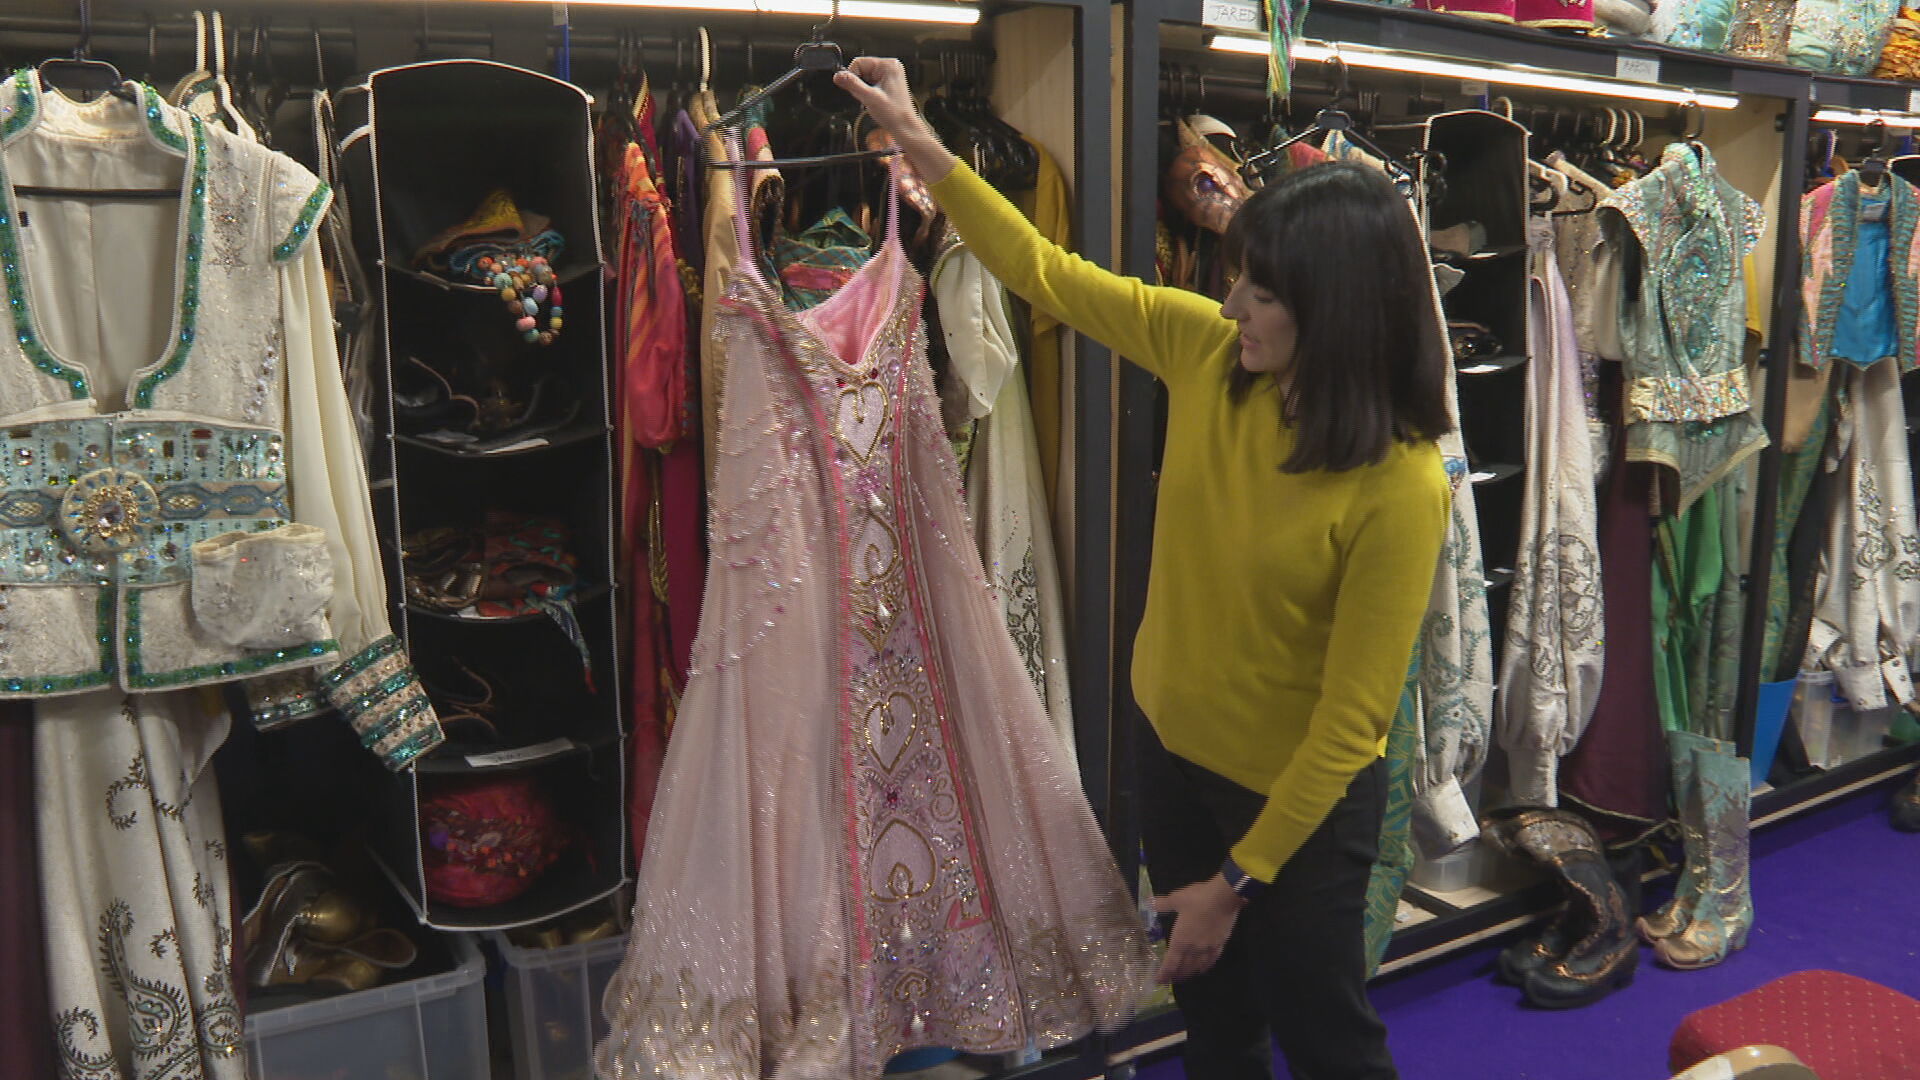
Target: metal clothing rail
(491, 31)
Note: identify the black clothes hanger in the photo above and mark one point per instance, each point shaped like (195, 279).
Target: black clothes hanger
(83, 75)
(1693, 122)
(1873, 168)
(814, 55)
(1330, 119)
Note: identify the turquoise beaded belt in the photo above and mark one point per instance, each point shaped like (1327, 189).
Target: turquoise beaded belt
(109, 500)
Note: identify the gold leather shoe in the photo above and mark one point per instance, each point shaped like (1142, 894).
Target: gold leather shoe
(366, 961)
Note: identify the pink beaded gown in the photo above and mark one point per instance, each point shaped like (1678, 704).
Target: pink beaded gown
(867, 838)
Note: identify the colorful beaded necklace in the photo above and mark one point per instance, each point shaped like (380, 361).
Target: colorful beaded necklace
(524, 275)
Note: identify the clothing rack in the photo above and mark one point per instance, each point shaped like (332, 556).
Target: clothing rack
(1154, 29)
(1113, 434)
(350, 39)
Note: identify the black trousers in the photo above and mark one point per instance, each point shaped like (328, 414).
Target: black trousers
(1295, 969)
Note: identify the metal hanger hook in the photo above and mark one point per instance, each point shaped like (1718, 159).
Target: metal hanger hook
(1878, 129)
(1693, 120)
(83, 47)
(821, 30)
(1339, 65)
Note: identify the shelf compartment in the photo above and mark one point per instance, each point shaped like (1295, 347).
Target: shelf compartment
(572, 434)
(1493, 366)
(568, 274)
(582, 596)
(466, 759)
(581, 786)
(1494, 473)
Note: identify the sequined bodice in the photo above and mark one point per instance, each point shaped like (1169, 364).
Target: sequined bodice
(143, 396)
(243, 212)
(1694, 230)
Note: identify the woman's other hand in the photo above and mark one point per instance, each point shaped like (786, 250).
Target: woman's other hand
(879, 84)
(1205, 916)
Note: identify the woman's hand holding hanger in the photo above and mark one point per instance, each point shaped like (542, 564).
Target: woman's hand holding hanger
(879, 84)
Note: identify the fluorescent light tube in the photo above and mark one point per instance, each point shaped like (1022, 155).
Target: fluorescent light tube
(1866, 116)
(955, 14)
(1536, 78)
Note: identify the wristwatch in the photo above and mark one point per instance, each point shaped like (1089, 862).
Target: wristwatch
(1243, 884)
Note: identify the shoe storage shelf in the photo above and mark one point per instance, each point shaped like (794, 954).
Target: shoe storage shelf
(493, 467)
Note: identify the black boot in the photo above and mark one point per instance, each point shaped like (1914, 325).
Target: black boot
(1603, 955)
(1905, 811)
(1531, 953)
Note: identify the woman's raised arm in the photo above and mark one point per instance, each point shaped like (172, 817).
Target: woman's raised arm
(1167, 331)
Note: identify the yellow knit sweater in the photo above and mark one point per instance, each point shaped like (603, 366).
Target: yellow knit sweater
(1281, 609)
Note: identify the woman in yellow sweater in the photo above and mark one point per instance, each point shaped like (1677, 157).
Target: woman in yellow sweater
(1302, 504)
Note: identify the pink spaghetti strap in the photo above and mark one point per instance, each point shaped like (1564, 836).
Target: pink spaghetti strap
(893, 198)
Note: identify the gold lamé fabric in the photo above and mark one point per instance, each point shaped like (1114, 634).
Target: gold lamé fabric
(1901, 57)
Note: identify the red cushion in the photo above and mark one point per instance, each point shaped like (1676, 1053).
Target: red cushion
(1842, 1027)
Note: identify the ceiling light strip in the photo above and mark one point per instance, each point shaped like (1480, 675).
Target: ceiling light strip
(1867, 116)
(952, 14)
(1535, 78)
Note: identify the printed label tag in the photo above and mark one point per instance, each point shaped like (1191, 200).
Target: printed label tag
(1231, 15)
(524, 753)
(1637, 68)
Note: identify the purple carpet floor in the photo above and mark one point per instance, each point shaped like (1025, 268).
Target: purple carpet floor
(1837, 888)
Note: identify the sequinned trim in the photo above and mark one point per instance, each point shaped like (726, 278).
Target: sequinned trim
(26, 106)
(25, 508)
(381, 698)
(404, 754)
(15, 274)
(190, 287)
(1700, 397)
(303, 225)
(396, 719)
(1905, 217)
(66, 684)
(156, 122)
(1837, 254)
(268, 715)
(359, 662)
(252, 664)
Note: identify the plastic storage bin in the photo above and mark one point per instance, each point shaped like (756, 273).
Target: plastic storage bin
(553, 1005)
(1813, 709)
(433, 1028)
(1452, 872)
(1869, 733)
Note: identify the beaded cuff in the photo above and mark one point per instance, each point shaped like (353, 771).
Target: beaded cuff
(381, 697)
(282, 698)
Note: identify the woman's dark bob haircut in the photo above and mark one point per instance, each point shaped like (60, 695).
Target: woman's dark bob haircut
(1337, 244)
